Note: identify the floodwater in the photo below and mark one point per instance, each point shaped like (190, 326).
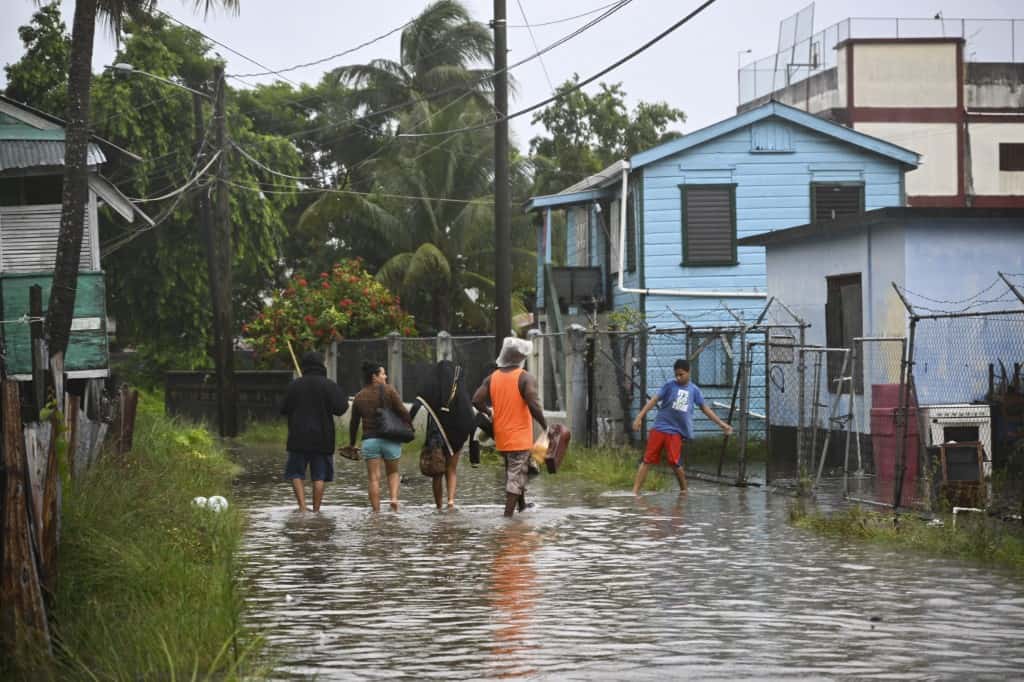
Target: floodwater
(591, 584)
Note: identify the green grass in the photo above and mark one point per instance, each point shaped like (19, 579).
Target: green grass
(146, 585)
(271, 433)
(977, 537)
(613, 468)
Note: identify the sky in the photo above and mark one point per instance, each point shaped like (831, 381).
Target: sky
(693, 68)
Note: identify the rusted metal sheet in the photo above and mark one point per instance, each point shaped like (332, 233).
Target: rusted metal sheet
(22, 612)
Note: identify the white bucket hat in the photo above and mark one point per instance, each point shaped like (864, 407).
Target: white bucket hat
(514, 352)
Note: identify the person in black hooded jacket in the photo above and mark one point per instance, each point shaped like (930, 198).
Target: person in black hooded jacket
(445, 391)
(310, 404)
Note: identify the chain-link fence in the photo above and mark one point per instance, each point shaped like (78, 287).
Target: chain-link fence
(351, 355)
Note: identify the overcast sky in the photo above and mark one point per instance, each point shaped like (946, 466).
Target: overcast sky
(693, 69)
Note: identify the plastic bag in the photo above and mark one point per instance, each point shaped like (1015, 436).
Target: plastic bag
(540, 449)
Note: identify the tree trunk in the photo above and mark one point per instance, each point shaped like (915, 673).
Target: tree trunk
(75, 194)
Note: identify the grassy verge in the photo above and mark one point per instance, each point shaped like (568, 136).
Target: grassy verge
(976, 537)
(270, 433)
(146, 585)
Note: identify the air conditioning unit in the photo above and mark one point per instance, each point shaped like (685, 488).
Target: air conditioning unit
(961, 423)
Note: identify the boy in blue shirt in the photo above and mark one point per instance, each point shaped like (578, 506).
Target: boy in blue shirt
(674, 423)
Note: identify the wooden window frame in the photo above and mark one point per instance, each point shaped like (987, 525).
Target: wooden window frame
(632, 219)
(851, 183)
(686, 262)
(833, 364)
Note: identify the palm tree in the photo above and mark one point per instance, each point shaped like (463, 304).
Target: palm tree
(76, 180)
(437, 50)
(438, 247)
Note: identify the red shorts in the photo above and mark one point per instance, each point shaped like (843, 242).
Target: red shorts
(672, 444)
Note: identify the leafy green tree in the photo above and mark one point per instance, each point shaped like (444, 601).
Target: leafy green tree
(75, 188)
(587, 133)
(157, 278)
(311, 311)
(39, 78)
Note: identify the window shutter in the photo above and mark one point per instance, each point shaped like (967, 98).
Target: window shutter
(1011, 156)
(29, 235)
(833, 201)
(709, 225)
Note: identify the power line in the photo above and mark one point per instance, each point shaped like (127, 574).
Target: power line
(387, 195)
(580, 84)
(181, 189)
(358, 47)
(564, 19)
(533, 39)
(455, 88)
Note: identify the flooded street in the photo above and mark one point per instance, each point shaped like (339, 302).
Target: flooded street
(591, 584)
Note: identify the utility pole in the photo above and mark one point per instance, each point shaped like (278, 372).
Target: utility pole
(502, 220)
(219, 263)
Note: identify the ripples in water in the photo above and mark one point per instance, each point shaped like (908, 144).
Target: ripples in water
(597, 585)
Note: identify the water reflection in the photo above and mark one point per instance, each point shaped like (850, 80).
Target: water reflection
(513, 593)
(595, 584)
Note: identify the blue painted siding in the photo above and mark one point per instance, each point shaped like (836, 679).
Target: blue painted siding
(773, 191)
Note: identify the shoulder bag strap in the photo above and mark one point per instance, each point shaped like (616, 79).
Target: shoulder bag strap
(437, 421)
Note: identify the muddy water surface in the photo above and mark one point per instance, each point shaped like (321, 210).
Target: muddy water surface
(592, 584)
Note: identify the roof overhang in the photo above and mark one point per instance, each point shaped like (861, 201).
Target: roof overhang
(566, 200)
(117, 201)
(796, 116)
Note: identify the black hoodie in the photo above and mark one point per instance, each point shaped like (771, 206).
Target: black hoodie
(309, 404)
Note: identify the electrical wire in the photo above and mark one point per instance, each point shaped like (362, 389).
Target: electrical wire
(181, 189)
(352, 192)
(533, 39)
(564, 19)
(586, 81)
(455, 88)
(331, 57)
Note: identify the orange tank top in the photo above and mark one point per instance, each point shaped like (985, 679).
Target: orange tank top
(513, 423)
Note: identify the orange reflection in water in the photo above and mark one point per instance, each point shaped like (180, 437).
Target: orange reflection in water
(513, 596)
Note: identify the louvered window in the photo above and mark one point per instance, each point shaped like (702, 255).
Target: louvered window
(709, 224)
(28, 239)
(834, 200)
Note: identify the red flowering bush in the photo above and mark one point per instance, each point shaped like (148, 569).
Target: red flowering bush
(313, 311)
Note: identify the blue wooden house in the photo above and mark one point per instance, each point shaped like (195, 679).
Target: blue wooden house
(687, 203)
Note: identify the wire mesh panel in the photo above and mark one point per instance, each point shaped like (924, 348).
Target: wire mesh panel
(475, 354)
(351, 355)
(419, 355)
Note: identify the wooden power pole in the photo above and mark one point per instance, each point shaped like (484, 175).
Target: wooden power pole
(219, 262)
(502, 220)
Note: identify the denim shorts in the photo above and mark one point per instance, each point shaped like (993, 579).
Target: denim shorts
(321, 466)
(380, 447)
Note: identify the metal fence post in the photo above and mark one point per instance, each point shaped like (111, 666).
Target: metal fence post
(741, 470)
(535, 362)
(395, 360)
(444, 346)
(801, 372)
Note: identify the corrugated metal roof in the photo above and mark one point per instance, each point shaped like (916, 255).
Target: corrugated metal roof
(35, 153)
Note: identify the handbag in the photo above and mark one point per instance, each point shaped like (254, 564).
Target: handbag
(390, 426)
(432, 458)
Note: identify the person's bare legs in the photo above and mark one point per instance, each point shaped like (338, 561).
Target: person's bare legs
(299, 486)
(438, 483)
(450, 475)
(318, 494)
(641, 476)
(373, 482)
(681, 477)
(391, 465)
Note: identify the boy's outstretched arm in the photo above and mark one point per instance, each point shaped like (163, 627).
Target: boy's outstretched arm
(726, 428)
(639, 421)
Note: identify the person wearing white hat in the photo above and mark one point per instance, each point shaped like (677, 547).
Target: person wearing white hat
(511, 395)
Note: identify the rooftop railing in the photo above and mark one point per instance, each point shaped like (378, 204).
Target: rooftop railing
(987, 40)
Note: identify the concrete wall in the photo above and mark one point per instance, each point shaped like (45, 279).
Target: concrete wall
(905, 75)
(994, 85)
(953, 260)
(985, 173)
(935, 142)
